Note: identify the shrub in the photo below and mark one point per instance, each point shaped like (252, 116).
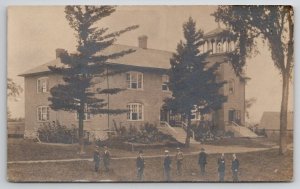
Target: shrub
(145, 134)
(56, 133)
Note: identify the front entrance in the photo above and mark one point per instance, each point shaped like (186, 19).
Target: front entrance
(164, 115)
(234, 116)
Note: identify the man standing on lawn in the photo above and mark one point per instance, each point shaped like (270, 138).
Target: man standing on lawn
(179, 161)
(202, 161)
(235, 168)
(106, 159)
(140, 165)
(97, 159)
(167, 166)
(221, 167)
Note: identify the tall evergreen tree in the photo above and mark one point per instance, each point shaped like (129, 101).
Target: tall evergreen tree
(275, 25)
(74, 95)
(192, 79)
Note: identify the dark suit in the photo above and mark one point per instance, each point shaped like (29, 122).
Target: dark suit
(106, 160)
(167, 168)
(235, 169)
(140, 165)
(202, 162)
(221, 168)
(97, 160)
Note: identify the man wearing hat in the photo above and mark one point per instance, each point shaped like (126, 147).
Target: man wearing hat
(235, 168)
(140, 165)
(97, 158)
(167, 166)
(106, 159)
(202, 161)
(179, 161)
(221, 167)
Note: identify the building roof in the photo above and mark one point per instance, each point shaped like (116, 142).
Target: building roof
(214, 32)
(147, 58)
(271, 121)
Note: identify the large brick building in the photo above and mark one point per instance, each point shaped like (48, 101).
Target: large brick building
(146, 82)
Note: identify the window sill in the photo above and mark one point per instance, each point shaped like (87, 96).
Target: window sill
(46, 121)
(132, 89)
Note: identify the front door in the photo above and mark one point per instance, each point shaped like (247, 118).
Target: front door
(234, 116)
(231, 116)
(164, 115)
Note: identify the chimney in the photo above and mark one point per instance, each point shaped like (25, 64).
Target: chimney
(143, 41)
(59, 52)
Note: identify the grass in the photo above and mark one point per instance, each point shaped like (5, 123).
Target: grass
(245, 142)
(23, 150)
(262, 166)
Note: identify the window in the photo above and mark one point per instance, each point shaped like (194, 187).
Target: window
(43, 113)
(165, 81)
(135, 112)
(87, 114)
(219, 47)
(195, 114)
(134, 80)
(42, 85)
(231, 86)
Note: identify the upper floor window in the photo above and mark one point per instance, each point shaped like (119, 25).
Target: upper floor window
(135, 111)
(195, 115)
(231, 86)
(42, 85)
(165, 81)
(134, 80)
(87, 114)
(43, 113)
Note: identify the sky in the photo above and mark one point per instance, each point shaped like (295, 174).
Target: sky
(34, 32)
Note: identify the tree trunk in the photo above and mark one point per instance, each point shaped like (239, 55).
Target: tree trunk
(80, 131)
(188, 132)
(283, 113)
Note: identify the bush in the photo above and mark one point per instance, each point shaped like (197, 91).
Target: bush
(229, 134)
(56, 133)
(145, 134)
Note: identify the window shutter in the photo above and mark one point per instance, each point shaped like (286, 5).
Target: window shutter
(38, 86)
(140, 81)
(128, 80)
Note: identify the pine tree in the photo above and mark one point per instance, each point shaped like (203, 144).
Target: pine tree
(79, 69)
(192, 80)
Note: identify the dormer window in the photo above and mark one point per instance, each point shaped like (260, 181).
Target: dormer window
(134, 80)
(42, 85)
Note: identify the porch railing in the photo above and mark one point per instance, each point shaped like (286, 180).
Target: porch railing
(184, 126)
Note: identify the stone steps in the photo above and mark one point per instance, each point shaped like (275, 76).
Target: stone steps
(177, 133)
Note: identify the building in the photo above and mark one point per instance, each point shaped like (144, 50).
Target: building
(270, 123)
(146, 84)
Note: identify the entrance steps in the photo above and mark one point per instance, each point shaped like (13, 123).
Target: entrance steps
(240, 131)
(178, 133)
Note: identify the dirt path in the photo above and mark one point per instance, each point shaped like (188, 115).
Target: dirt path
(210, 149)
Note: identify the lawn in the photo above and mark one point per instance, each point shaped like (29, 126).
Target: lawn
(261, 166)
